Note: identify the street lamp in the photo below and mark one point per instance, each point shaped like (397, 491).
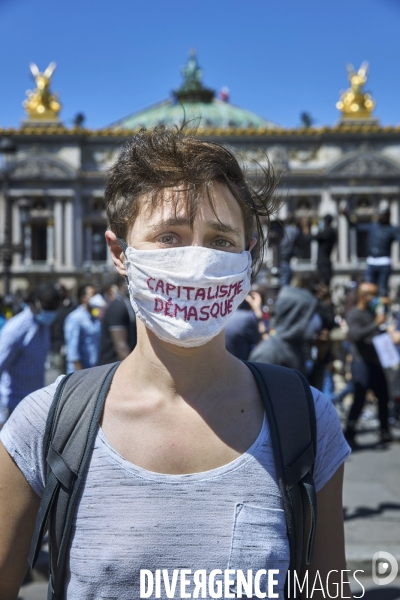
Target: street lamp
(8, 149)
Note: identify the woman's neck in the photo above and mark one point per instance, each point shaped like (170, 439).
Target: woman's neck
(177, 371)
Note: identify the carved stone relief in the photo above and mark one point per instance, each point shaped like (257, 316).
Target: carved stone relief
(41, 169)
(303, 154)
(366, 165)
(278, 157)
(40, 149)
(99, 158)
(248, 153)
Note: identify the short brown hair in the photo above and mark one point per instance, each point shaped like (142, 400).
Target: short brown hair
(160, 158)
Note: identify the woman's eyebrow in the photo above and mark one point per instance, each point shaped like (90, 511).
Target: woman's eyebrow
(173, 222)
(182, 222)
(222, 228)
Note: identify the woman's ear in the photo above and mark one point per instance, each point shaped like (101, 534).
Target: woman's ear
(252, 243)
(117, 255)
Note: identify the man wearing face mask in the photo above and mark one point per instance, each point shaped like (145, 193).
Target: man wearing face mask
(364, 324)
(82, 330)
(24, 344)
(181, 471)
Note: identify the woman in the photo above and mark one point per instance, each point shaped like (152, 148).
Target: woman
(182, 473)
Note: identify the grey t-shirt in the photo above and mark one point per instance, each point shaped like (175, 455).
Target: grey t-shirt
(130, 519)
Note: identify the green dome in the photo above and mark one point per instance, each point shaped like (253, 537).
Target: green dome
(211, 115)
(196, 104)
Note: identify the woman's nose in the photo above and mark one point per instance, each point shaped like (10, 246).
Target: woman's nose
(198, 239)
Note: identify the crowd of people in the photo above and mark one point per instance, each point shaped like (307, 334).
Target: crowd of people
(293, 240)
(334, 350)
(304, 330)
(48, 326)
(304, 317)
(99, 326)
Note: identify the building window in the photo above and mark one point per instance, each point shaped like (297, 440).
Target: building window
(304, 206)
(305, 210)
(95, 246)
(303, 242)
(98, 205)
(364, 209)
(39, 241)
(362, 244)
(99, 246)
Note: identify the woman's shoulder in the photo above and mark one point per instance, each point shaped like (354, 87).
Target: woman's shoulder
(332, 448)
(22, 435)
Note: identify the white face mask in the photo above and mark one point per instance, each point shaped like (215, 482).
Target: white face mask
(186, 295)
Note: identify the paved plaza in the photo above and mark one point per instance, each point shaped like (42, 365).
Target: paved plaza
(372, 509)
(372, 503)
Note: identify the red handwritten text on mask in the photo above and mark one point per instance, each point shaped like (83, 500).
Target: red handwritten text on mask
(212, 302)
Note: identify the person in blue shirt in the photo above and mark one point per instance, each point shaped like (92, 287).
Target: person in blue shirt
(82, 330)
(246, 327)
(381, 235)
(3, 318)
(24, 344)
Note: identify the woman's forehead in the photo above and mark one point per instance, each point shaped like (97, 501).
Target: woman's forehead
(188, 204)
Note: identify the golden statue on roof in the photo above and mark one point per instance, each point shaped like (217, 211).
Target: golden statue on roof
(41, 104)
(354, 103)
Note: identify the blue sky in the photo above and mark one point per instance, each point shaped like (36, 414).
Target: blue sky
(278, 57)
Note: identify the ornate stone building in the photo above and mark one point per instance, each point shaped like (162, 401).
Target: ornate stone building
(53, 182)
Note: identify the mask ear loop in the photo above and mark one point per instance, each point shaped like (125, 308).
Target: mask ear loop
(123, 244)
(124, 247)
(253, 251)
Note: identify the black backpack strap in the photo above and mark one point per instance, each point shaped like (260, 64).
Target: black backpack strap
(70, 433)
(290, 409)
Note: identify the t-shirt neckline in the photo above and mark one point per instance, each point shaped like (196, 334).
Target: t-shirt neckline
(200, 476)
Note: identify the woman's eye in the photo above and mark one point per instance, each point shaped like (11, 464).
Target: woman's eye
(168, 239)
(222, 243)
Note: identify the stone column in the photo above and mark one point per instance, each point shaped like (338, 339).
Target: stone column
(27, 244)
(394, 219)
(16, 232)
(50, 242)
(327, 205)
(58, 233)
(353, 246)
(283, 211)
(2, 213)
(69, 234)
(343, 241)
(88, 243)
(79, 227)
(314, 245)
(109, 260)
